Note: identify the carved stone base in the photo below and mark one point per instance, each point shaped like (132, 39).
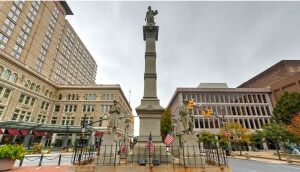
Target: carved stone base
(191, 160)
(107, 160)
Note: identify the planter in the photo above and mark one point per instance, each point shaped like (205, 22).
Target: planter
(70, 149)
(44, 151)
(6, 164)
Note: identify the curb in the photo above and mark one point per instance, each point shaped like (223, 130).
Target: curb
(297, 162)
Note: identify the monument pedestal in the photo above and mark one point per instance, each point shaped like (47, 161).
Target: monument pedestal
(109, 144)
(141, 152)
(190, 153)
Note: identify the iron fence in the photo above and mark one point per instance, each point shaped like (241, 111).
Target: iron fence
(176, 156)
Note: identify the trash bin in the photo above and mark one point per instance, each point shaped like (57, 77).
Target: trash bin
(227, 152)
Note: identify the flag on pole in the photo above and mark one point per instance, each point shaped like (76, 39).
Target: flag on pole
(124, 146)
(150, 144)
(169, 138)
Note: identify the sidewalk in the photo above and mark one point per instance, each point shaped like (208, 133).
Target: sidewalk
(264, 156)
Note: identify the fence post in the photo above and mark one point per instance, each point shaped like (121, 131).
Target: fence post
(21, 161)
(40, 163)
(218, 156)
(59, 159)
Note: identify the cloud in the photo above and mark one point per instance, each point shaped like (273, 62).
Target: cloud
(198, 41)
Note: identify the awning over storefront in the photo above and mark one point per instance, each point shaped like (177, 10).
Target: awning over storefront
(55, 128)
(42, 133)
(36, 133)
(13, 131)
(24, 132)
(1, 132)
(49, 134)
(98, 134)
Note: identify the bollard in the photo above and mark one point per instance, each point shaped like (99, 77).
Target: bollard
(59, 159)
(289, 159)
(40, 163)
(247, 156)
(21, 161)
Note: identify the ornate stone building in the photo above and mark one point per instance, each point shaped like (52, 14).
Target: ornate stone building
(47, 75)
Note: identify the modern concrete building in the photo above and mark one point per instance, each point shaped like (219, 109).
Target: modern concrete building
(251, 107)
(47, 76)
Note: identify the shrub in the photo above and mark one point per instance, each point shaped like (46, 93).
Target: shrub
(12, 151)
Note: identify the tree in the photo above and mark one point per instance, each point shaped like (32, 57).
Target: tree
(207, 137)
(294, 127)
(287, 107)
(165, 123)
(274, 133)
(238, 133)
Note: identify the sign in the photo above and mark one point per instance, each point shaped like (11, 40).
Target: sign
(227, 133)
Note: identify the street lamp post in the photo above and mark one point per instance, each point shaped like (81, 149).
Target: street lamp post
(81, 140)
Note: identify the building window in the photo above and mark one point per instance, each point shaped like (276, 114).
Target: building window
(1, 110)
(13, 77)
(59, 97)
(56, 108)
(53, 120)
(41, 119)
(104, 108)
(70, 108)
(27, 83)
(21, 115)
(88, 120)
(6, 93)
(45, 106)
(67, 120)
(6, 74)
(3, 38)
(88, 108)
(37, 88)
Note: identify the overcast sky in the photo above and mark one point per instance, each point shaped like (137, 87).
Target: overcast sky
(198, 42)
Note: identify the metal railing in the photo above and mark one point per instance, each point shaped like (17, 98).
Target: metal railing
(110, 155)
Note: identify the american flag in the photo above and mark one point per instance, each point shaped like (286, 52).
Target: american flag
(150, 144)
(169, 138)
(124, 146)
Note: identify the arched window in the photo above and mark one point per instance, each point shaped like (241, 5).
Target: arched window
(27, 83)
(86, 96)
(37, 88)
(6, 74)
(73, 96)
(59, 97)
(107, 96)
(111, 97)
(32, 86)
(69, 96)
(50, 94)
(103, 97)
(1, 70)
(13, 77)
(47, 92)
(77, 96)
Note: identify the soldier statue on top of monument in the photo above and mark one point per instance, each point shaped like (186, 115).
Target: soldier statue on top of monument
(150, 15)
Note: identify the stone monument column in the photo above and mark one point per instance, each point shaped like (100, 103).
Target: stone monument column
(150, 111)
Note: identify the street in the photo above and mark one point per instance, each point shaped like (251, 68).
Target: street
(263, 165)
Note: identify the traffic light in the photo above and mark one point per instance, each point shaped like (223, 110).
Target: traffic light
(209, 112)
(191, 105)
(204, 113)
